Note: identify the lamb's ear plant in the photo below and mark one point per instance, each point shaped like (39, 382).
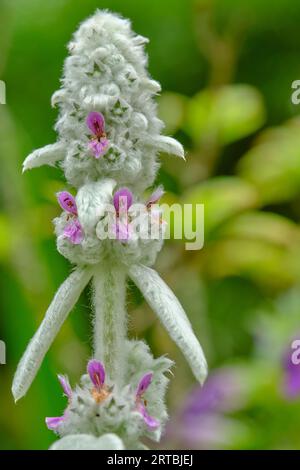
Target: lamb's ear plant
(109, 139)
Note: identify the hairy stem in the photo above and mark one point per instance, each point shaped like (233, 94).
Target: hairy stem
(110, 322)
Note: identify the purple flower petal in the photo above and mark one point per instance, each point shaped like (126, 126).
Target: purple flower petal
(151, 422)
(96, 123)
(73, 231)
(123, 231)
(144, 384)
(64, 382)
(292, 384)
(54, 423)
(221, 393)
(67, 202)
(96, 372)
(122, 200)
(292, 376)
(155, 196)
(99, 147)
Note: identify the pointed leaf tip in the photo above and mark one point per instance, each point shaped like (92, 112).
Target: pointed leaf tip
(62, 304)
(167, 307)
(167, 145)
(48, 155)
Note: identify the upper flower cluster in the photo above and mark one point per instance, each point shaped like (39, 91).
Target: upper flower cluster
(108, 124)
(104, 222)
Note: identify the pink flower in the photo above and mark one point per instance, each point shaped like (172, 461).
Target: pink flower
(67, 202)
(54, 423)
(73, 230)
(98, 146)
(155, 196)
(122, 201)
(99, 143)
(96, 372)
(155, 212)
(100, 391)
(64, 382)
(141, 404)
(123, 231)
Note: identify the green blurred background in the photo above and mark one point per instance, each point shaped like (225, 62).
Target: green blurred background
(226, 68)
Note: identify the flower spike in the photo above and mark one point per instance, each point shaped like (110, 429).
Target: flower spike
(107, 109)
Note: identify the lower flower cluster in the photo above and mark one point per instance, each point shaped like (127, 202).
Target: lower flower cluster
(130, 410)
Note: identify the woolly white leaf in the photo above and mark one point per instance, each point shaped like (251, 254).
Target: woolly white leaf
(48, 155)
(152, 85)
(88, 442)
(58, 97)
(91, 202)
(64, 300)
(104, 102)
(167, 145)
(167, 307)
(140, 40)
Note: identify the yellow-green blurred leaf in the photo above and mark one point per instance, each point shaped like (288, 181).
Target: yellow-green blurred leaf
(222, 198)
(171, 110)
(5, 236)
(225, 114)
(263, 262)
(273, 165)
(265, 226)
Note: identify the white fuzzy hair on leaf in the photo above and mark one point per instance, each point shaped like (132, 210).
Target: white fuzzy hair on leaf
(167, 307)
(63, 302)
